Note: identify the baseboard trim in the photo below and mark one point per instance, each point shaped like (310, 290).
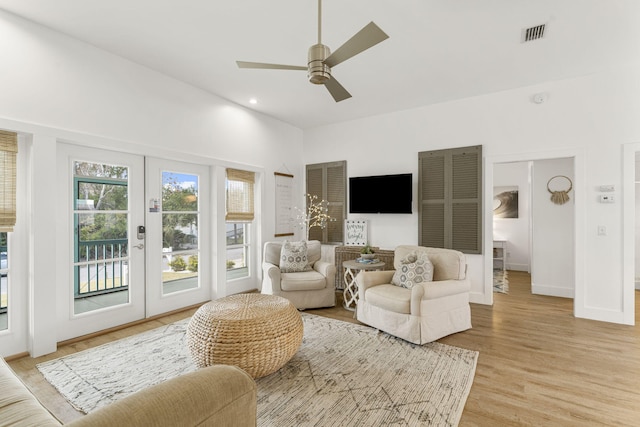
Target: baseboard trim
(478, 298)
(126, 325)
(16, 356)
(552, 291)
(518, 267)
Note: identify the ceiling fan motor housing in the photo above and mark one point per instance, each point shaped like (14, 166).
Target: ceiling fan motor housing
(318, 71)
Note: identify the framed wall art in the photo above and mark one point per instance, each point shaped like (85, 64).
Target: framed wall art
(284, 204)
(505, 202)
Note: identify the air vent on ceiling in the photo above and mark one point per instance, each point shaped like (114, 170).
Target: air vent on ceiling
(533, 33)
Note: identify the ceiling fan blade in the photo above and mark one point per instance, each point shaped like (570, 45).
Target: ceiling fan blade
(367, 37)
(336, 90)
(245, 64)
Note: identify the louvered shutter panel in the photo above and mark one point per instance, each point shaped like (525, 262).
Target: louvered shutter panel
(450, 199)
(314, 187)
(327, 181)
(314, 181)
(466, 203)
(432, 199)
(336, 196)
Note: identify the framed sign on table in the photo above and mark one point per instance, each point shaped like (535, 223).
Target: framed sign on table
(355, 232)
(284, 204)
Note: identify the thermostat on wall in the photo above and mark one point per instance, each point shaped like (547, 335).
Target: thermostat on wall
(607, 198)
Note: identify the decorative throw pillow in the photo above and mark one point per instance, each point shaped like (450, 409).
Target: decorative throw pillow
(293, 257)
(409, 258)
(415, 268)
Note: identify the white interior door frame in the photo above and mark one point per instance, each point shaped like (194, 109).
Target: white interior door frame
(629, 226)
(579, 221)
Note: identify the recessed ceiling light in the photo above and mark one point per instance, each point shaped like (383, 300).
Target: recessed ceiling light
(253, 101)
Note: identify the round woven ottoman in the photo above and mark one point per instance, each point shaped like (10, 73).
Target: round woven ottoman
(258, 333)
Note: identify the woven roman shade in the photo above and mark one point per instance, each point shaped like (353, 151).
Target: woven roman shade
(240, 195)
(8, 151)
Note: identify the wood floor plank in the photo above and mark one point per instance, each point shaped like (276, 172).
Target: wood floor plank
(538, 364)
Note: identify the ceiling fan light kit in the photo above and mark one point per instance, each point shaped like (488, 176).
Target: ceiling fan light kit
(320, 60)
(318, 71)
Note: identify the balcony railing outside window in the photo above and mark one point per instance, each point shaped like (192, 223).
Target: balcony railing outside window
(101, 267)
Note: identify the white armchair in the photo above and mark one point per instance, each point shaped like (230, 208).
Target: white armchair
(305, 289)
(426, 312)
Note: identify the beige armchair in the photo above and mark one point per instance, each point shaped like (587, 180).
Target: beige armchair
(305, 289)
(426, 312)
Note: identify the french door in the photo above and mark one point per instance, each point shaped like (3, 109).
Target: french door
(178, 226)
(135, 239)
(101, 273)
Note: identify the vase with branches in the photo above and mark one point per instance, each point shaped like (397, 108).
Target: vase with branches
(316, 214)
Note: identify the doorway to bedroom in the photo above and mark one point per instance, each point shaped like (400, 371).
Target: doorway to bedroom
(533, 235)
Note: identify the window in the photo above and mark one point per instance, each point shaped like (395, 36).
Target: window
(8, 152)
(328, 181)
(450, 199)
(101, 221)
(237, 250)
(180, 242)
(239, 217)
(4, 284)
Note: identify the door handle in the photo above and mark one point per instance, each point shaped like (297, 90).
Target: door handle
(139, 246)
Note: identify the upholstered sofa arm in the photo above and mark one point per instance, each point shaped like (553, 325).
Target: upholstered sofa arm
(369, 279)
(328, 270)
(219, 395)
(271, 277)
(444, 288)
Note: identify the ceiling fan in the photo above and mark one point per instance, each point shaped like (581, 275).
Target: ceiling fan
(321, 60)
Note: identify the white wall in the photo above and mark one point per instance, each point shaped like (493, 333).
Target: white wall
(589, 117)
(553, 249)
(515, 230)
(55, 88)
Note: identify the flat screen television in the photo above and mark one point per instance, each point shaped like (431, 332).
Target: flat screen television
(391, 194)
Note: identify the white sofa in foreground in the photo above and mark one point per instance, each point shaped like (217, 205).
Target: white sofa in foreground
(223, 396)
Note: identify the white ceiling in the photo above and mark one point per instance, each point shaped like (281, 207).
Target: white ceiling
(438, 50)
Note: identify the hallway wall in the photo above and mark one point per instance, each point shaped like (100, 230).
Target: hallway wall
(515, 230)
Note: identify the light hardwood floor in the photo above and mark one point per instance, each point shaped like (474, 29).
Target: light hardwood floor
(538, 364)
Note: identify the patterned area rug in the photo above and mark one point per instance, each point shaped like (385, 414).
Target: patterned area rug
(500, 281)
(343, 374)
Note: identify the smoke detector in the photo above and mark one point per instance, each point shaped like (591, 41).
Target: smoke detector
(533, 33)
(539, 98)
